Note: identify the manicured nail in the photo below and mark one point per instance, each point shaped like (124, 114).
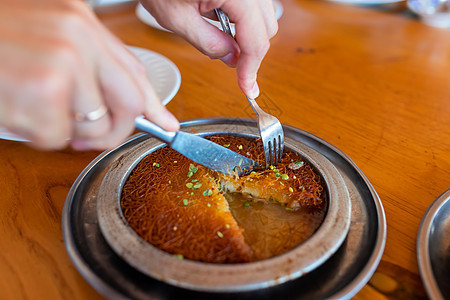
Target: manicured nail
(254, 92)
(229, 59)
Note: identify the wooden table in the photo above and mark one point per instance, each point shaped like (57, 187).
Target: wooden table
(373, 82)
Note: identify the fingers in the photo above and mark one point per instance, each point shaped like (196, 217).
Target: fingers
(127, 97)
(127, 92)
(157, 113)
(254, 25)
(185, 19)
(56, 79)
(33, 91)
(270, 20)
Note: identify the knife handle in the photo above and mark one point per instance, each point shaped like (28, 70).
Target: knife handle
(147, 126)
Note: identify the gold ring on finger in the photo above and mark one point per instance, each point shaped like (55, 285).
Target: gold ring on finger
(94, 115)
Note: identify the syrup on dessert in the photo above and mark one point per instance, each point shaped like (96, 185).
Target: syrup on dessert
(270, 229)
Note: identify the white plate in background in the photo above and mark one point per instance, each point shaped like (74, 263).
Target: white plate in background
(368, 2)
(148, 19)
(162, 73)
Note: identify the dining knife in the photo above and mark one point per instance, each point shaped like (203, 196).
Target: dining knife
(200, 150)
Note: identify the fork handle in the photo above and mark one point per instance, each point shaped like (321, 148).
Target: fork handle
(224, 21)
(255, 106)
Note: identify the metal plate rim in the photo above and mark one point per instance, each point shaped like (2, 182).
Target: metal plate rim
(423, 241)
(224, 278)
(350, 289)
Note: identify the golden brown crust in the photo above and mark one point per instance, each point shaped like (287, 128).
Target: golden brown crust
(293, 182)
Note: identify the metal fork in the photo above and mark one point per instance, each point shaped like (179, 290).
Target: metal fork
(270, 128)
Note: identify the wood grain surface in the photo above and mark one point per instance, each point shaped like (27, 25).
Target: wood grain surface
(372, 80)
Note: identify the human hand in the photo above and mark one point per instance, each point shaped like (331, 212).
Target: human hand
(255, 24)
(58, 65)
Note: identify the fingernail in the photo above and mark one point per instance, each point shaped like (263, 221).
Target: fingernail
(254, 92)
(80, 145)
(171, 123)
(229, 59)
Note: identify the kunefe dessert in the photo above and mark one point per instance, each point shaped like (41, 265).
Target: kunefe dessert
(195, 213)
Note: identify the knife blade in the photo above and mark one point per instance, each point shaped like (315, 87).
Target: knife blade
(200, 150)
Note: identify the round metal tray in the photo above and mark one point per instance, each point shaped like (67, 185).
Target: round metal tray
(209, 277)
(433, 248)
(341, 276)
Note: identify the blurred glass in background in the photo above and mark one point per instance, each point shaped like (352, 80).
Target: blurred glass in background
(432, 12)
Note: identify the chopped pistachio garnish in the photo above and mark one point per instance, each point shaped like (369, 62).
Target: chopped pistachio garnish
(156, 164)
(207, 192)
(189, 185)
(285, 176)
(303, 188)
(190, 174)
(240, 147)
(185, 202)
(246, 204)
(193, 168)
(220, 234)
(296, 165)
(289, 209)
(175, 228)
(281, 183)
(295, 177)
(226, 145)
(192, 193)
(227, 226)
(291, 189)
(277, 174)
(197, 186)
(179, 256)
(194, 180)
(170, 181)
(271, 167)
(207, 204)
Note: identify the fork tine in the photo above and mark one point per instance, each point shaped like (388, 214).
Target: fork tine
(275, 152)
(281, 146)
(267, 151)
(271, 150)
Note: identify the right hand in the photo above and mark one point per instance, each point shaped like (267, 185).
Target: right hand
(255, 23)
(57, 59)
